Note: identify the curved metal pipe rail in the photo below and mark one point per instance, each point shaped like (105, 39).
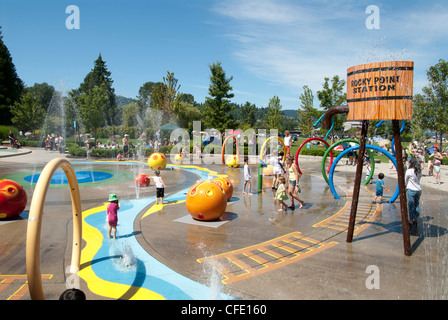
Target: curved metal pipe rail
(35, 224)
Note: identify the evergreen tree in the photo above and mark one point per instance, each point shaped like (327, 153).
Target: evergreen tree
(217, 107)
(91, 107)
(275, 114)
(11, 86)
(248, 111)
(98, 77)
(307, 113)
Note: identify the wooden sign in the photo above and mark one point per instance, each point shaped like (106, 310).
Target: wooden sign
(380, 91)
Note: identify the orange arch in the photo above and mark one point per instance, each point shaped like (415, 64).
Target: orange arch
(224, 145)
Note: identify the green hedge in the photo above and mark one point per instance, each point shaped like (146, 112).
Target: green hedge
(113, 153)
(4, 132)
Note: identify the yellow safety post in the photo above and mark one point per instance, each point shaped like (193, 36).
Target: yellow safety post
(35, 224)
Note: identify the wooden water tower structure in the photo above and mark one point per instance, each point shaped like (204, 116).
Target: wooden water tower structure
(381, 91)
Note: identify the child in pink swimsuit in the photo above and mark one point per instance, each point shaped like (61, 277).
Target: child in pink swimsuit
(112, 214)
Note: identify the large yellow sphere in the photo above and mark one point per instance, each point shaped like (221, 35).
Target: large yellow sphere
(157, 161)
(226, 185)
(206, 201)
(268, 171)
(179, 158)
(233, 161)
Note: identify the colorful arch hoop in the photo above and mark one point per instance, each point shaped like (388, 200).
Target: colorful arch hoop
(301, 146)
(401, 131)
(372, 160)
(264, 144)
(35, 224)
(343, 153)
(224, 145)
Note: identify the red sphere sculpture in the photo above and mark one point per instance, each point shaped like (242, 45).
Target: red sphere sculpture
(13, 199)
(142, 180)
(206, 201)
(226, 185)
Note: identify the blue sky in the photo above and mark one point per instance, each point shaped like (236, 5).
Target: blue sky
(269, 47)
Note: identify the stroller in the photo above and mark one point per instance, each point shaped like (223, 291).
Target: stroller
(16, 144)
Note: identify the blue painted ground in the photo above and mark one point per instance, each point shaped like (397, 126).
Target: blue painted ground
(59, 177)
(124, 261)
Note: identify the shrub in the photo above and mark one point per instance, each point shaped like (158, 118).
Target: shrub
(4, 132)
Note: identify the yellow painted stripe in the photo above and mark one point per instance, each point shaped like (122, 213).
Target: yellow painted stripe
(94, 239)
(158, 207)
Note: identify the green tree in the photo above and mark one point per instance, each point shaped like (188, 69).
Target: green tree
(27, 113)
(307, 114)
(11, 86)
(100, 76)
(333, 95)
(92, 106)
(430, 108)
(186, 114)
(248, 112)
(131, 115)
(165, 97)
(217, 111)
(42, 92)
(144, 94)
(275, 115)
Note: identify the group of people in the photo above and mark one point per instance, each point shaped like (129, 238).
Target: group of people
(413, 172)
(292, 190)
(54, 142)
(284, 188)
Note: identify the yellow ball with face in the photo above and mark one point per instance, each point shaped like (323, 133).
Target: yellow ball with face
(233, 161)
(206, 201)
(178, 158)
(157, 161)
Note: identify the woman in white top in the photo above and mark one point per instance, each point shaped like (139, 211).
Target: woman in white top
(413, 189)
(277, 168)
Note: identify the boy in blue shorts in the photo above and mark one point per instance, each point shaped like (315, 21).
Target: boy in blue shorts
(379, 188)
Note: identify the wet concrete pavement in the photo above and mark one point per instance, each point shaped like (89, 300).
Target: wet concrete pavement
(259, 253)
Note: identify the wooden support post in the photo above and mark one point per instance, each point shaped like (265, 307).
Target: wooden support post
(402, 188)
(362, 150)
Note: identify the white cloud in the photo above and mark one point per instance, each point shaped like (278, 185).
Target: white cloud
(300, 43)
(260, 11)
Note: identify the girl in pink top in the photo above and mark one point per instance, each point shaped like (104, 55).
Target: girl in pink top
(112, 214)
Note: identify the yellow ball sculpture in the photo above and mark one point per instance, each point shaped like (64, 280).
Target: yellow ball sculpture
(179, 158)
(157, 161)
(206, 201)
(268, 171)
(232, 161)
(226, 185)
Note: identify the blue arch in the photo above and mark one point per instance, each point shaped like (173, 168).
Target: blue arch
(343, 153)
(401, 130)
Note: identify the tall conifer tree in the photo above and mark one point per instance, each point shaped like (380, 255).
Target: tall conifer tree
(11, 86)
(98, 77)
(217, 107)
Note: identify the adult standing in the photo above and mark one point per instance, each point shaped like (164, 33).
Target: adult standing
(125, 146)
(413, 189)
(11, 137)
(287, 142)
(293, 187)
